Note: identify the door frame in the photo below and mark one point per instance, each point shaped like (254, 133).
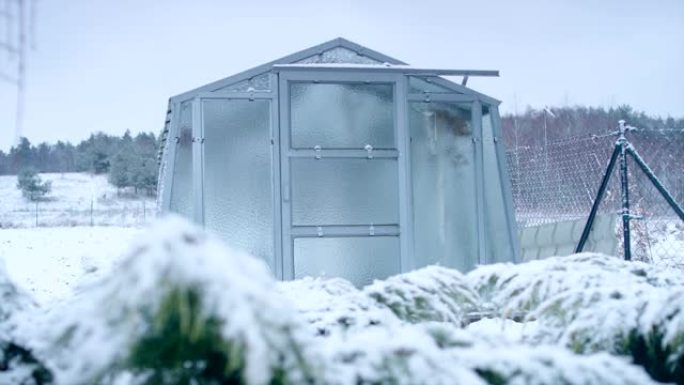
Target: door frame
(198, 137)
(400, 153)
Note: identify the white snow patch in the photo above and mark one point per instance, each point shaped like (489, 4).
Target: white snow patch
(76, 199)
(50, 262)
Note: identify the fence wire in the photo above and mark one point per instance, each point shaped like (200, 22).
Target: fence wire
(559, 182)
(86, 213)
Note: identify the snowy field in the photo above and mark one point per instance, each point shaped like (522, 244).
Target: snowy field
(172, 305)
(77, 199)
(50, 262)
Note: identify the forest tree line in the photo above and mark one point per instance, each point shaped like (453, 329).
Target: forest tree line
(527, 129)
(560, 167)
(129, 161)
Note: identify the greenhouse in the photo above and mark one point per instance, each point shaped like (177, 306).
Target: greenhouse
(340, 161)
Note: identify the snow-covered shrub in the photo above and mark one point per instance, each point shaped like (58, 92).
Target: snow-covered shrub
(441, 353)
(518, 289)
(18, 365)
(334, 305)
(392, 355)
(498, 362)
(180, 308)
(591, 320)
(549, 365)
(503, 329)
(432, 293)
(659, 343)
(641, 321)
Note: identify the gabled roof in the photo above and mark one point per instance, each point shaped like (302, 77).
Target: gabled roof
(360, 50)
(355, 53)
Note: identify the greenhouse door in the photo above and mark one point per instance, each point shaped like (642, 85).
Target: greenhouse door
(235, 172)
(341, 174)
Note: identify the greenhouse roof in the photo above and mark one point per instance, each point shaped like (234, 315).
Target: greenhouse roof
(336, 54)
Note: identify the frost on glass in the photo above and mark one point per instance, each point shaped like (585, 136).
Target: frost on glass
(357, 259)
(237, 174)
(181, 183)
(426, 85)
(498, 247)
(260, 82)
(338, 55)
(342, 115)
(443, 182)
(345, 191)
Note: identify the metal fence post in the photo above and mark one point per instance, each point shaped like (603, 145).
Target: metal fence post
(597, 201)
(656, 182)
(624, 190)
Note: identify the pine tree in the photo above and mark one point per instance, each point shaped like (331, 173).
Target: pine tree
(31, 185)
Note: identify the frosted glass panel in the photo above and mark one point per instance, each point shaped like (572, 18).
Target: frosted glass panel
(443, 177)
(359, 260)
(237, 174)
(181, 185)
(339, 55)
(498, 247)
(258, 83)
(342, 115)
(426, 85)
(345, 191)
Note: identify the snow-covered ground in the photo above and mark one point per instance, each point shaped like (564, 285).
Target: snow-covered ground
(76, 199)
(92, 303)
(49, 262)
(108, 297)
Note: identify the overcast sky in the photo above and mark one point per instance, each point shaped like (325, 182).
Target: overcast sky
(112, 65)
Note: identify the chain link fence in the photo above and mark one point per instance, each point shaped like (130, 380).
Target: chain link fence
(559, 181)
(134, 212)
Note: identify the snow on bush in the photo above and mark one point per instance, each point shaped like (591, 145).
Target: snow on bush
(503, 329)
(392, 355)
(514, 290)
(13, 300)
(646, 323)
(432, 293)
(593, 303)
(18, 365)
(441, 353)
(658, 345)
(179, 309)
(499, 362)
(334, 305)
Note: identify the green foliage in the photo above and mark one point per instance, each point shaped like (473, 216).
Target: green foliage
(31, 185)
(21, 366)
(491, 377)
(658, 344)
(134, 164)
(650, 352)
(185, 346)
(129, 161)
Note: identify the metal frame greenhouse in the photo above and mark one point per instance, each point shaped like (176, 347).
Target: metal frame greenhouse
(341, 161)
